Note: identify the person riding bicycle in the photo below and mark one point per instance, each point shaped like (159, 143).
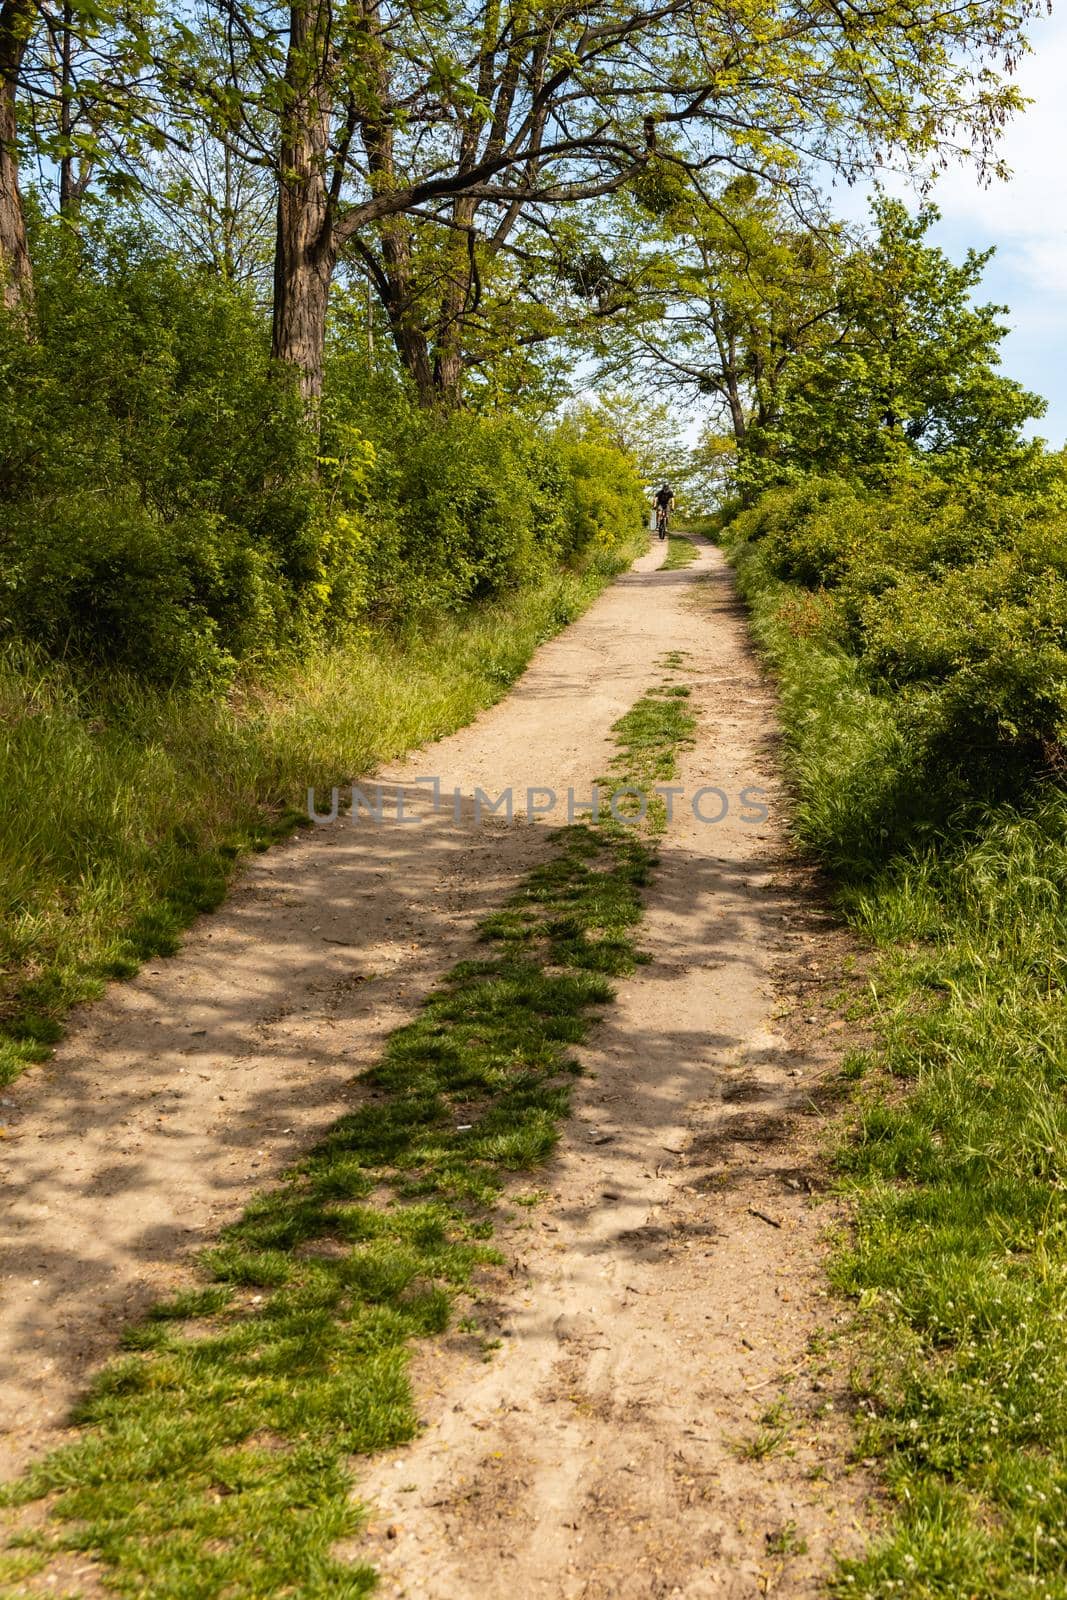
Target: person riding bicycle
(664, 503)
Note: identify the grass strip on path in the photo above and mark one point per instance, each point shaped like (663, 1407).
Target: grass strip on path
(125, 809)
(956, 1158)
(215, 1459)
(681, 551)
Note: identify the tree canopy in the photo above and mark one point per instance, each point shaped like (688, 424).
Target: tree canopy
(430, 146)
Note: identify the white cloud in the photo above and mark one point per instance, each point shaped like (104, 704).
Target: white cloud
(1025, 218)
(1026, 214)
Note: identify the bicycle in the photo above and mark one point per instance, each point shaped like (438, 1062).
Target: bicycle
(663, 518)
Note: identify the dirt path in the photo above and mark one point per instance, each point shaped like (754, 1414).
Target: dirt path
(660, 1300)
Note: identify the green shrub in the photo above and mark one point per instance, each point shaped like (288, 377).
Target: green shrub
(167, 511)
(467, 519)
(103, 581)
(898, 734)
(159, 489)
(603, 495)
(954, 603)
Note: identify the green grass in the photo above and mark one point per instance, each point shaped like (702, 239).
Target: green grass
(124, 811)
(786, 1541)
(956, 1157)
(775, 1427)
(213, 1459)
(681, 551)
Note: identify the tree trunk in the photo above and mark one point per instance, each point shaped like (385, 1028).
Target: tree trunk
(414, 352)
(460, 298)
(303, 272)
(304, 253)
(16, 276)
(738, 420)
(392, 270)
(448, 373)
(398, 296)
(67, 184)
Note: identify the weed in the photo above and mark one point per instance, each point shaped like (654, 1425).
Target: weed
(772, 1436)
(785, 1541)
(680, 553)
(766, 1442)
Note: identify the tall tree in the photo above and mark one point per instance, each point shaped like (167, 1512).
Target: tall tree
(80, 91)
(644, 430)
(733, 291)
(215, 208)
(16, 276)
(913, 364)
(203, 182)
(468, 117)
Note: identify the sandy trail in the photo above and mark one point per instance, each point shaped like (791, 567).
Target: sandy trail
(184, 1090)
(650, 1312)
(670, 1293)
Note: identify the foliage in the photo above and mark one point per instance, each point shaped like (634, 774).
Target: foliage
(817, 347)
(911, 365)
(429, 203)
(643, 429)
(426, 148)
(158, 487)
(90, 95)
(736, 291)
(168, 513)
(951, 600)
(603, 490)
(466, 509)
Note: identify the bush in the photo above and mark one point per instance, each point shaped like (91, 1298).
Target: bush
(465, 498)
(166, 510)
(604, 497)
(953, 601)
(159, 486)
(104, 582)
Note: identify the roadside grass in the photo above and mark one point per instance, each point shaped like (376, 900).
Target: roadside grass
(956, 1157)
(215, 1457)
(124, 811)
(680, 553)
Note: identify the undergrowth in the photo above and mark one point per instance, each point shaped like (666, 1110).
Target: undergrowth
(214, 1458)
(957, 1156)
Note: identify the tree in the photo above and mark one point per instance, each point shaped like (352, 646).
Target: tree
(78, 88)
(820, 351)
(643, 430)
(913, 364)
(213, 203)
(735, 289)
(215, 209)
(469, 118)
(16, 276)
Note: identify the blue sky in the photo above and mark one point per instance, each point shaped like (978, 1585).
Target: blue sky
(1026, 219)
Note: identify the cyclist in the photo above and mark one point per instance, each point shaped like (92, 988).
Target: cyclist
(664, 503)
